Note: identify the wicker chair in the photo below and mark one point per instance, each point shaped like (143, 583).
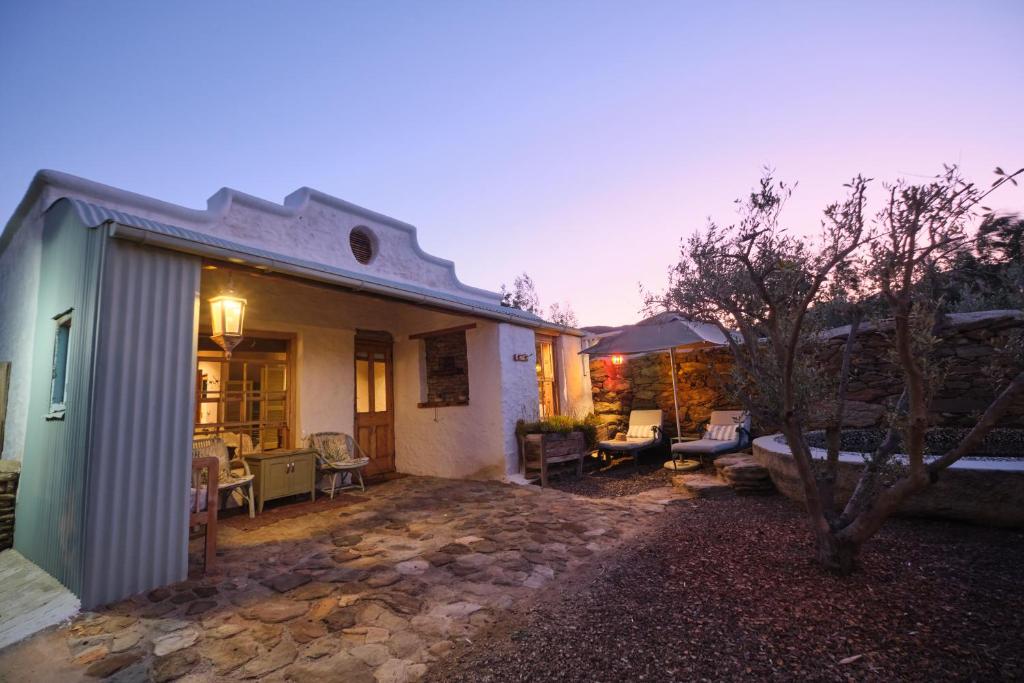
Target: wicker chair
(339, 455)
(234, 473)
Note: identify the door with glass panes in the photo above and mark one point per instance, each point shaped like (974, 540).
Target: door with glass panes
(375, 411)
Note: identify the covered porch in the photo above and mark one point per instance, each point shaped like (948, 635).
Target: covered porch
(423, 391)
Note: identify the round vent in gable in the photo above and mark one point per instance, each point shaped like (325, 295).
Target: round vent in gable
(362, 245)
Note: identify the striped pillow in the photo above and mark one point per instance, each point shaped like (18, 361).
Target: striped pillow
(721, 432)
(640, 432)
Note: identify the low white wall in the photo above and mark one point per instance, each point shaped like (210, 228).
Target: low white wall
(982, 490)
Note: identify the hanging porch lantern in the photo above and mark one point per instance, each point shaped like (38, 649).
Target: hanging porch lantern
(227, 319)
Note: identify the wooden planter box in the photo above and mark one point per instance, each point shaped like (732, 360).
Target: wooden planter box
(538, 452)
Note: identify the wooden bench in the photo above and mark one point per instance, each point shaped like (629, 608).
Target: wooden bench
(540, 451)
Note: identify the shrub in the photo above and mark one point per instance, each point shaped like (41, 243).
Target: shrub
(562, 424)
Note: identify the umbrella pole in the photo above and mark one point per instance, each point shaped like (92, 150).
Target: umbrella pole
(675, 391)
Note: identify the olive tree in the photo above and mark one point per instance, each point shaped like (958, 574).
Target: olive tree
(760, 284)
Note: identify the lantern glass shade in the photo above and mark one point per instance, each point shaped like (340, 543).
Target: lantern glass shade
(227, 320)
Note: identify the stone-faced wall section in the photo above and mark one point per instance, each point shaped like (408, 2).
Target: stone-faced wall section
(967, 346)
(646, 382)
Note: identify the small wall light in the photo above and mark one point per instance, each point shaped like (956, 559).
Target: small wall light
(616, 359)
(227, 319)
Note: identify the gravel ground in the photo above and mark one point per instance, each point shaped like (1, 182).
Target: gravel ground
(726, 590)
(619, 480)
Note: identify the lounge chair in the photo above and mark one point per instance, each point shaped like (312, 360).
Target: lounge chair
(644, 432)
(339, 455)
(728, 431)
(233, 475)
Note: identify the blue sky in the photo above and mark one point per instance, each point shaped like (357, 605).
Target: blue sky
(576, 141)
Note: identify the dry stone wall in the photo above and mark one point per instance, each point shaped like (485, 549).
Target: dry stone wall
(967, 347)
(646, 382)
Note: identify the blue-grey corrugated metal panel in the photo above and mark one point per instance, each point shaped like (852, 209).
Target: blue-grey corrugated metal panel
(51, 505)
(139, 474)
(93, 214)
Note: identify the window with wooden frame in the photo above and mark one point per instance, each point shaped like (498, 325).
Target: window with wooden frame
(59, 368)
(445, 367)
(248, 395)
(547, 375)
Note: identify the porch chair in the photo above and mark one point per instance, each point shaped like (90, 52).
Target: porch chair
(728, 431)
(234, 473)
(338, 454)
(644, 432)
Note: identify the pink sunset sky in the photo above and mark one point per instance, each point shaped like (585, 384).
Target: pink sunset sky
(575, 141)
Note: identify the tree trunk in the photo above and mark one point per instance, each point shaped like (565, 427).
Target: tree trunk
(836, 554)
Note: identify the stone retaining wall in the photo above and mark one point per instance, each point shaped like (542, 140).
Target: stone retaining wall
(646, 382)
(968, 344)
(985, 491)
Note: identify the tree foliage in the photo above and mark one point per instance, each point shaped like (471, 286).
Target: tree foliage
(766, 287)
(523, 296)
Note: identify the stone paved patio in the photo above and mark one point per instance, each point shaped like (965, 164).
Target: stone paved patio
(375, 590)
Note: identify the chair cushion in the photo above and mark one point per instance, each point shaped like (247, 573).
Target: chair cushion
(725, 432)
(705, 446)
(346, 464)
(627, 445)
(640, 432)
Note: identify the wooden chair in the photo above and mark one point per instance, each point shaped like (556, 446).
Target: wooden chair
(338, 454)
(205, 470)
(234, 473)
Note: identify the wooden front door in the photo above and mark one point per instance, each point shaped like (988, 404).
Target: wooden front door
(375, 405)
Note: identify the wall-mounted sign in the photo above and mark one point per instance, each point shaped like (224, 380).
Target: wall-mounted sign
(521, 357)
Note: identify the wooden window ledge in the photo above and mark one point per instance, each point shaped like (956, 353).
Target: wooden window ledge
(442, 404)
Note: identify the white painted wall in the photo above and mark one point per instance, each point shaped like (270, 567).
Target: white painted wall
(520, 399)
(19, 285)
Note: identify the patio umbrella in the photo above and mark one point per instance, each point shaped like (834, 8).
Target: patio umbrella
(662, 332)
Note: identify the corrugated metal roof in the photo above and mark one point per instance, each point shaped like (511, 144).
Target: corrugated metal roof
(94, 215)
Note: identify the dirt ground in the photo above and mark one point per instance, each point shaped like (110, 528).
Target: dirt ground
(727, 590)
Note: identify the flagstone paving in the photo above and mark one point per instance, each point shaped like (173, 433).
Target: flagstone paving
(372, 591)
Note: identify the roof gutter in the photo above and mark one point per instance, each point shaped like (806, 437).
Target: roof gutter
(142, 236)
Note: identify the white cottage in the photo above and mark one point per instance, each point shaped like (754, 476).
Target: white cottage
(349, 326)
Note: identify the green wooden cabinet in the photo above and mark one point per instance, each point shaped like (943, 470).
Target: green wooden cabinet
(283, 473)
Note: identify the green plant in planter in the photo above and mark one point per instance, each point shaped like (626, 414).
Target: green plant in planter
(562, 424)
